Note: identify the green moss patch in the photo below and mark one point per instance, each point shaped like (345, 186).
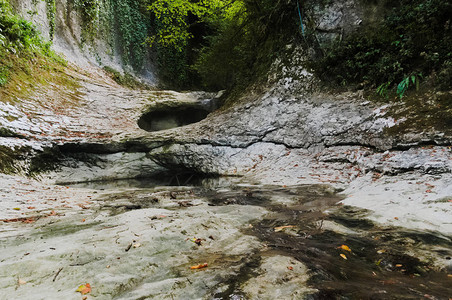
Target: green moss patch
(425, 112)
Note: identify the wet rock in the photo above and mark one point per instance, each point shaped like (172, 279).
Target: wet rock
(279, 277)
(88, 245)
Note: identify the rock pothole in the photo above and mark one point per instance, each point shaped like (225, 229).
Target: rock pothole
(168, 117)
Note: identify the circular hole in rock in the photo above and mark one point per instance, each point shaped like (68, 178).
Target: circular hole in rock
(171, 117)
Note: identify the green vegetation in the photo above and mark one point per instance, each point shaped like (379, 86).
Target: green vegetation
(89, 14)
(128, 21)
(411, 44)
(51, 11)
(132, 23)
(218, 44)
(126, 80)
(22, 51)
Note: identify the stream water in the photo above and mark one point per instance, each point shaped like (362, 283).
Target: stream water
(348, 257)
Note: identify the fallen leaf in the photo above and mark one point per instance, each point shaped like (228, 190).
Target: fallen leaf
(136, 245)
(343, 256)
(398, 265)
(84, 297)
(52, 213)
(21, 281)
(16, 208)
(23, 220)
(290, 268)
(197, 241)
(381, 251)
(449, 275)
(281, 228)
(346, 248)
(84, 289)
(31, 207)
(200, 266)
(83, 220)
(395, 218)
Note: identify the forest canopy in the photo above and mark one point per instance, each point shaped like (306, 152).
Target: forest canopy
(219, 43)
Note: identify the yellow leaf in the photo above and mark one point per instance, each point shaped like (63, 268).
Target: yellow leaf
(16, 208)
(281, 228)
(84, 289)
(381, 251)
(343, 256)
(346, 248)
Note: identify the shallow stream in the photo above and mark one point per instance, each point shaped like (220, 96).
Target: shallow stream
(139, 238)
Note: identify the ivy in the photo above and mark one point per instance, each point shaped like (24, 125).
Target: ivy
(89, 14)
(131, 22)
(51, 11)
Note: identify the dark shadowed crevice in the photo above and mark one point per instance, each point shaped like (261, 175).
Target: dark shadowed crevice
(171, 117)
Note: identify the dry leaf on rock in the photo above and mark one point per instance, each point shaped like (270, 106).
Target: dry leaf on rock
(281, 228)
(200, 266)
(346, 248)
(84, 289)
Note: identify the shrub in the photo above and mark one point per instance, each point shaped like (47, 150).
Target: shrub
(413, 39)
(20, 45)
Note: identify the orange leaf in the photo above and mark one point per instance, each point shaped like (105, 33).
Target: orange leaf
(200, 266)
(343, 256)
(84, 289)
(346, 248)
(290, 268)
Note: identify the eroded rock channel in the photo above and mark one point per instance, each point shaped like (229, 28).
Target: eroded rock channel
(315, 198)
(137, 239)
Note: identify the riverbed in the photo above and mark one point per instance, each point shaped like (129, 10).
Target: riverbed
(140, 239)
